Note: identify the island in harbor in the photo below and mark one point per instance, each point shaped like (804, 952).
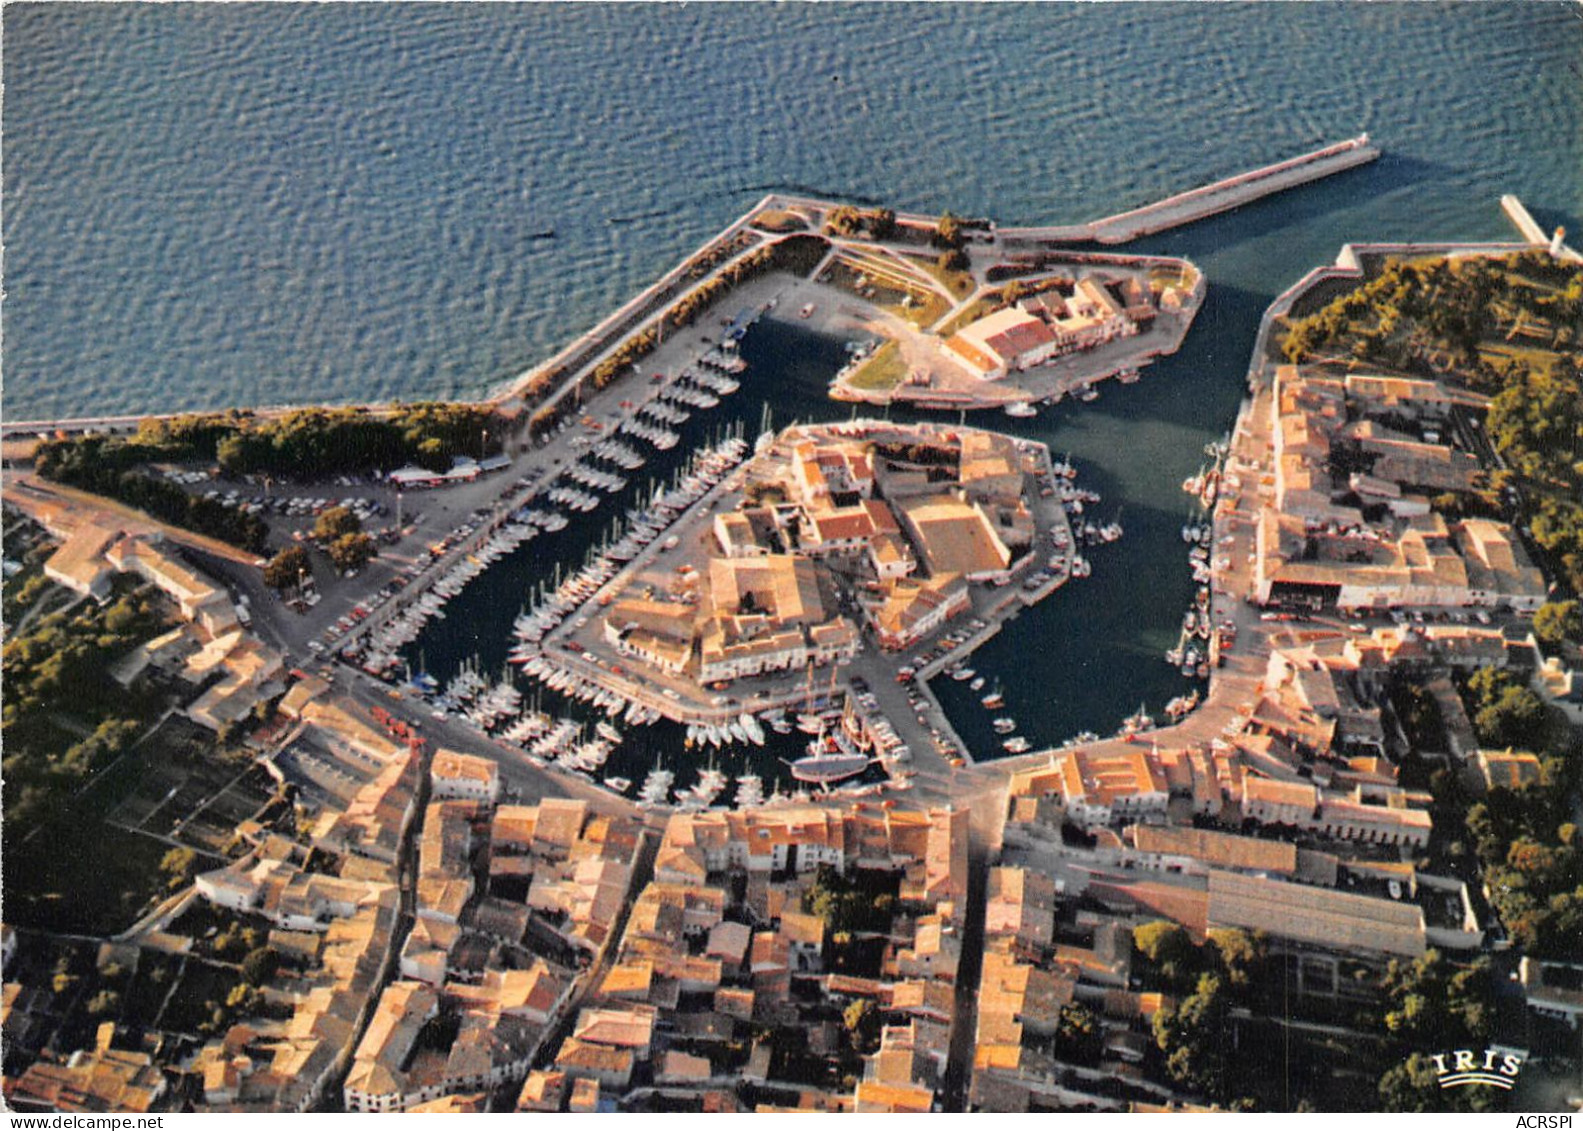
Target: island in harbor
(735, 600)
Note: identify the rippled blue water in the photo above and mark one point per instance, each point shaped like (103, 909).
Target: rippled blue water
(212, 205)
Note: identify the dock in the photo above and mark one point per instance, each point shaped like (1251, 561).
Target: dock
(1197, 204)
(1523, 221)
(1530, 230)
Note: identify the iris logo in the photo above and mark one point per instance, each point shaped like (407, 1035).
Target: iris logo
(1496, 1067)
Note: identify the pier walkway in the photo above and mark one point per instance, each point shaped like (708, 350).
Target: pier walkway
(1197, 204)
(1525, 224)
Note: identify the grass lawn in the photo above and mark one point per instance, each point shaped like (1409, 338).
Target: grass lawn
(779, 220)
(884, 370)
(959, 283)
(920, 313)
(971, 313)
(1538, 359)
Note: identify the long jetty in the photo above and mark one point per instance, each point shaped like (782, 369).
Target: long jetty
(580, 355)
(1197, 204)
(1524, 222)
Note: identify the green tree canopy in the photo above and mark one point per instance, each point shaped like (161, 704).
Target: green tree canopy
(1559, 622)
(335, 522)
(351, 551)
(286, 568)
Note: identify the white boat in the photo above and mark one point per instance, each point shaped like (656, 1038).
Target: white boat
(620, 785)
(750, 791)
(1017, 745)
(656, 788)
(1021, 409)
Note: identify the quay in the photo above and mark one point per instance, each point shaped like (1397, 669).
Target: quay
(1236, 678)
(1523, 220)
(1530, 230)
(1200, 203)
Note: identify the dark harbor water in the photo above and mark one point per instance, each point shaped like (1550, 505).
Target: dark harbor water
(210, 205)
(1080, 660)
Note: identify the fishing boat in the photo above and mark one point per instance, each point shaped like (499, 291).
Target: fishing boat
(1140, 720)
(962, 675)
(832, 757)
(1004, 725)
(1017, 745)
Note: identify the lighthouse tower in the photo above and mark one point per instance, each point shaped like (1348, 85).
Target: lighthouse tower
(1557, 243)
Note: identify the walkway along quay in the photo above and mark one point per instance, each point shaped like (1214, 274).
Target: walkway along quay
(1197, 204)
(1524, 222)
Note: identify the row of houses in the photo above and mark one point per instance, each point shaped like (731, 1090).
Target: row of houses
(494, 884)
(723, 944)
(1050, 324)
(210, 647)
(920, 530)
(333, 927)
(1350, 517)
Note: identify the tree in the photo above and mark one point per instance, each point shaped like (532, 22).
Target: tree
(1516, 718)
(1240, 953)
(105, 1001)
(1559, 622)
(1413, 1085)
(351, 551)
(1169, 947)
(952, 259)
(1191, 1036)
(334, 523)
(287, 568)
(948, 232)
(1077, 1033)
(843, 220)
(862, 1023)
(177, 864)
(260, 965)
